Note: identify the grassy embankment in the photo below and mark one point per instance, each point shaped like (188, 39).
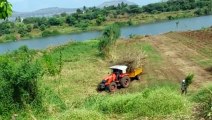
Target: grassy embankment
(122, 19)
(73, 96)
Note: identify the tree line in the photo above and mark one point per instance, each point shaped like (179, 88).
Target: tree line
(93, 16)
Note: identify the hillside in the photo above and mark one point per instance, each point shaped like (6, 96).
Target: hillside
(43, 12)
(115, 3)
(169, 58)
(56, 10)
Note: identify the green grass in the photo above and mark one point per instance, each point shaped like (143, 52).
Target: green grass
(83, 70)
(151, 102)
(73, 94)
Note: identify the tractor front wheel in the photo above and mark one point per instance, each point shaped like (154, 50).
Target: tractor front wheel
(112, 87)
(125, 81)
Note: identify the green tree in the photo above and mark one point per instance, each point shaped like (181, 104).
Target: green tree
(22, 29)
(64, 14)
(70, 20)
(79, 11)
(54, 21)
(18, 19)
(42, 27)
(100, 19)
(5, 9)
(6, 27)
(29, 28)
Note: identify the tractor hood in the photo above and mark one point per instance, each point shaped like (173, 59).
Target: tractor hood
(111, 76)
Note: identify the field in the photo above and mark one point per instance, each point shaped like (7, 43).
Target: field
(168, 59)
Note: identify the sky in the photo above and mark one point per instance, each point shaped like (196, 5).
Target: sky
(32, 5)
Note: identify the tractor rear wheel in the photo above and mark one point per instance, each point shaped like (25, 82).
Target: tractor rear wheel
(125, 81)
(112, 87)
(138, 77)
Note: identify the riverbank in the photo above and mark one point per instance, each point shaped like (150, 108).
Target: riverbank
(72, 94)
(123, 20)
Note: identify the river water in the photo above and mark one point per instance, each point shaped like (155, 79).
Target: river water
(143, 29)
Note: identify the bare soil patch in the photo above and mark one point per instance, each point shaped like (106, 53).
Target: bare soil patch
(176, 60)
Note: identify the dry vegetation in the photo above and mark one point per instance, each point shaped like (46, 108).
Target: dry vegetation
(125, 54)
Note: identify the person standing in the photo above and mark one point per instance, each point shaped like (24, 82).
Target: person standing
(184, 87)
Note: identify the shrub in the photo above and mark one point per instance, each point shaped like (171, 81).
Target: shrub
(19, 73)
(51, 65)
(109, 37)
(189, 79)
(42, 27)
(204, 100)
(47, 33)
(10, 37)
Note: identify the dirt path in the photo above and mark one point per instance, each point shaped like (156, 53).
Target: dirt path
(176, 60)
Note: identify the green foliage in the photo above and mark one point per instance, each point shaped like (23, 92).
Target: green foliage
(83, 19)
(54, 21)
(83, 25)
(52, 65)
(130, 22)
(47, 33)
(203, 11)
(189, 79)
(82, 114)
(5, 9)
(42, 27)
(109, 37)
(22, 29)
(29, 28)
(112, 32)
(172, 5)
(10, 37)
(204, 98)
(99, 20)
(70, 20)
(63, 14)
(19, 73)
(6, 27)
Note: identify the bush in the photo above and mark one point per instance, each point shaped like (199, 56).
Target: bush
(51, 65)
(47, 33)
(204, 100)
(19, 73)
(109, 37)
(189, 79)
(42, 27)
(10, 37)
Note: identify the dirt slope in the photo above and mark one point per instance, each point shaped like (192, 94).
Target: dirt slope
(177, 60)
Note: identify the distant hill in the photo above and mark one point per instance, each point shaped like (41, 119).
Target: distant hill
(43, 12)
(56, 10)
(115, 3)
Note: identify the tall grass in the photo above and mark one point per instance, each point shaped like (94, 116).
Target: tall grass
(152, 102)
(204, 99)
(81, 114)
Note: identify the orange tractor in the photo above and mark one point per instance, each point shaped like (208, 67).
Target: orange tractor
(119, 78)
